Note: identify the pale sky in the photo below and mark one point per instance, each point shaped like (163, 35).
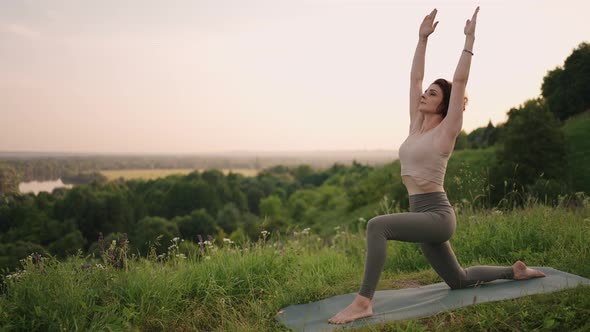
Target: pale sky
(264, 75)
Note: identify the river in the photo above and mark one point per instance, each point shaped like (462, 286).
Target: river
(37, 186)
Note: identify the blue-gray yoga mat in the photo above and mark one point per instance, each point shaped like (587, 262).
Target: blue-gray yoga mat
(400, 304)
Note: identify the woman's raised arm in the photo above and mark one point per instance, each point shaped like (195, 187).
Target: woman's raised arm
(453, 122)
(417, 74)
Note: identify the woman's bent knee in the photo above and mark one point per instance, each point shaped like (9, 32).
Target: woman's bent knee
(373, 225)
(454, 285)
(460, 284)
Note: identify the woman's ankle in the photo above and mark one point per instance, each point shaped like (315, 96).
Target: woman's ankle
(362, 301)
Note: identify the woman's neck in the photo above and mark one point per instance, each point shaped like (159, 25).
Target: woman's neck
(430, 122)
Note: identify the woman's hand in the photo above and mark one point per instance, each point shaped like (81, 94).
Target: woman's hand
(427, 27)
(470, 24)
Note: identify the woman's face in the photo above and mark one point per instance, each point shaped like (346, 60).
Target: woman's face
(431, 99)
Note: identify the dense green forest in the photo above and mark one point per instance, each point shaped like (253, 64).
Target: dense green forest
(541, 153)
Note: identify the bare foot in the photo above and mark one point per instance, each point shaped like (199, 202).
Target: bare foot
(361, 307)
(522, 272)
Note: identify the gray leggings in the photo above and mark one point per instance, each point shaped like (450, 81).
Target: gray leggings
(432, 222)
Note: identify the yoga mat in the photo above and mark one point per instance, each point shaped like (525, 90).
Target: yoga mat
(401, 304)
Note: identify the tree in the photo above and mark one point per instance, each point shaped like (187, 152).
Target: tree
(199, 222)
(461, 143)
(271, 209)
(228, 218)
(213, 177)
(9, 179)
(183, 197)
(251, 225)
(254, 194)
(67, 244)
(533, 146)
(567, 88)
(482, 137)
(271, 206)
(11, 253)
(301, 202)
(149, 229)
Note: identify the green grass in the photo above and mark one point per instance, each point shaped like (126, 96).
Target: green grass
(241, 288)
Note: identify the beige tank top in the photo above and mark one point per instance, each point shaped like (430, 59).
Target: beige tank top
(420, 157)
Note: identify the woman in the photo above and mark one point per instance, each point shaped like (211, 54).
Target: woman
(436, 117)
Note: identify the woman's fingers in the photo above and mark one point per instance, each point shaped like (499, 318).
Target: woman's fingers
(427, 26)
(431, 16)
(433, 13)
(470, 24)
(475, 14)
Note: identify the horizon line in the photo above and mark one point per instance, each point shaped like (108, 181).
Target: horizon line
(249, 151)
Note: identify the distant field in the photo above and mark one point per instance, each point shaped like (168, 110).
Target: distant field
(148, 174)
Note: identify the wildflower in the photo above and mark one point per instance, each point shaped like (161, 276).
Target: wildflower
(200, 244)
(264, 233)
(36, 258)
(100, 242)
(498, 212)
(361, 219)
(16, 275)
(180, 256)
(305, 231)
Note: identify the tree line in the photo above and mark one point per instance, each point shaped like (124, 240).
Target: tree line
(206, 203)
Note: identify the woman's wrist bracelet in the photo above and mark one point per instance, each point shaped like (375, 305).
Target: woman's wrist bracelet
(468, 51)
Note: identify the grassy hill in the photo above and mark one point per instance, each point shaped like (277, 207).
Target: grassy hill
(226, 287)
